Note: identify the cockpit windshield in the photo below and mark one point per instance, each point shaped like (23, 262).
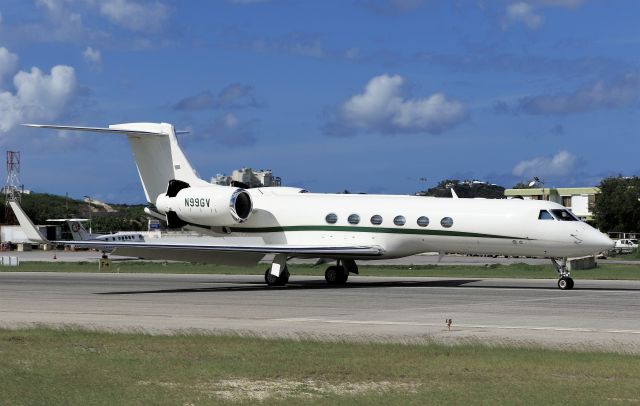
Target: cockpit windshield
(545, 215)
(563, 215)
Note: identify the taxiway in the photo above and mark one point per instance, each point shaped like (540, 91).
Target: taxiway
(596, 314)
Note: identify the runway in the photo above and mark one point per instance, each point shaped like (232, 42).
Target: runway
(596, 314)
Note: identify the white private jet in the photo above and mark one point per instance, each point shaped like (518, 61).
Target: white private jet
(291, 222)
(79, 233)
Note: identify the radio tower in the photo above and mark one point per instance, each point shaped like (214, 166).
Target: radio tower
(12, 187)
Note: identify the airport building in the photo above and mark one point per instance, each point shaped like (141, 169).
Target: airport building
(251, 178)
(580, 199)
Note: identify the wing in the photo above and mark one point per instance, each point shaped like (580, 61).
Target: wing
(235, 255)
(294, 250)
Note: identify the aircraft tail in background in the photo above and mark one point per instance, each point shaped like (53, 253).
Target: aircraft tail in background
(32, 232)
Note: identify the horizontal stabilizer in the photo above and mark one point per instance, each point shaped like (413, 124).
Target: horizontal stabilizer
(94, 129)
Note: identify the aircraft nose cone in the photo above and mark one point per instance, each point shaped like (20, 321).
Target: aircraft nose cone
(600, 241)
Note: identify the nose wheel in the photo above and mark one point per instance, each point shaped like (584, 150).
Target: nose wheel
(565, 282)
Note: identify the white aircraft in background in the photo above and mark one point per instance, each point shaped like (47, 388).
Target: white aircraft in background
(79, 233)
(291, 222)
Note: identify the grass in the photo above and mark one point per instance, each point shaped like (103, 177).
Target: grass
(632, 256)
(74, 367)
(603, 271)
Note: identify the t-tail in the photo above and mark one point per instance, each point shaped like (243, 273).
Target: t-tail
(171, 185)
(78, 232)
(159, 158)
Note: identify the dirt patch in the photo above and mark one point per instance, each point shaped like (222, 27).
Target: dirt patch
(256, 389)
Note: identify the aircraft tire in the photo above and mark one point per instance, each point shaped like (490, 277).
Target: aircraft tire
(336, 275)
(565, 283)
(276, 281)
(343, 276)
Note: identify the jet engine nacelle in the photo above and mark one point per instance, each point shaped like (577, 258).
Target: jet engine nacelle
(205, 205)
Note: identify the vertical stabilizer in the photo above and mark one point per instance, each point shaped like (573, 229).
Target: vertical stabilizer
(32, 232)
(159, 158)
(78, 232)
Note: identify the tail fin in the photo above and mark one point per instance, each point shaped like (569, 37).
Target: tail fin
(78, 232)
(33, 234)
(158, 156)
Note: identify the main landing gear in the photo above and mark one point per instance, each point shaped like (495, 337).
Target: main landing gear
(565, 282)
(339, 273)
(279, 280)
(278, 273)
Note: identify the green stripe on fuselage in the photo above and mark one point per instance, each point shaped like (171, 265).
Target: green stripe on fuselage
(357, 229)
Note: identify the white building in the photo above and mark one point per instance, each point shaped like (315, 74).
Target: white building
(579, 199)
(249, 177)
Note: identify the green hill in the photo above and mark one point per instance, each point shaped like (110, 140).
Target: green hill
(41, 206)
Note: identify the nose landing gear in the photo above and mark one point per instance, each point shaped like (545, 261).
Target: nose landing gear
(565, 282)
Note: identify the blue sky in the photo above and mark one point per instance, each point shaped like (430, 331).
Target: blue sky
(365, 95)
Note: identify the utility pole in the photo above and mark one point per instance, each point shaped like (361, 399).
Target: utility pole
(89, 200)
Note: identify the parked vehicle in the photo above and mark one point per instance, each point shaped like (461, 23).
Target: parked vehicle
(625, 245)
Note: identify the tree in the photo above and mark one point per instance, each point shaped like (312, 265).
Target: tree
(40, 207)
(466, 189)
(520, 185)
(617, 207)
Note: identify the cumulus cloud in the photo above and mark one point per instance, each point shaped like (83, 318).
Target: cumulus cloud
(523, 13)
(201, 101)
(93, 57)
(135, 16)
(67, 21)
(38, 96)
(8, 63)
(233, 96)
(560, 164)
(621, 92)
(383, 107)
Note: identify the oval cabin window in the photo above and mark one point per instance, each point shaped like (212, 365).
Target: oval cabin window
(446, 222)
(376, 220)
(399, 220)
(353, 219)
(423, 221)
(331, 218)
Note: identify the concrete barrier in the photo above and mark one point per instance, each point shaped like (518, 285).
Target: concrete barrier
(582, 263)
(9, 261)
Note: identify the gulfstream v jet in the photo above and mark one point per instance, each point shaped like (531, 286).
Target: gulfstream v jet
(290, 222)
